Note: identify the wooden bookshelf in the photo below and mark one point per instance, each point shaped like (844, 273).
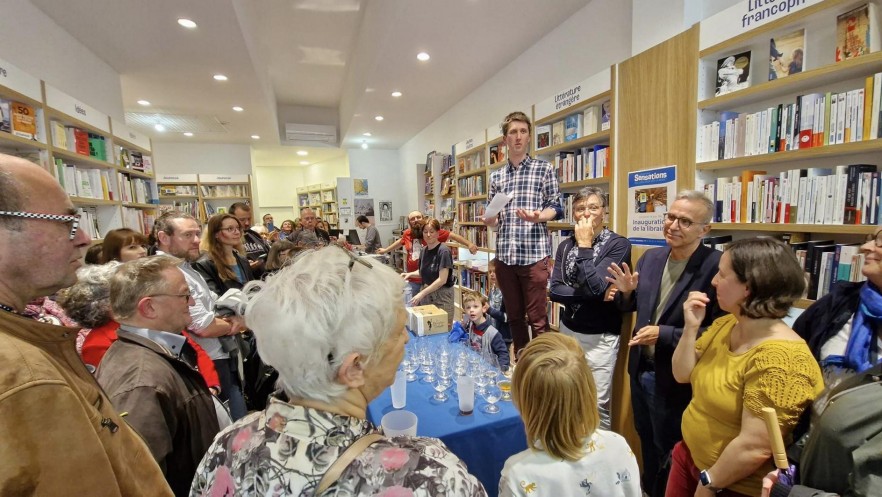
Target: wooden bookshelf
(201, 205)
(826, 151)
(592, 139)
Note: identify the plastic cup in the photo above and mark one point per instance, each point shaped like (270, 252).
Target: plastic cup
(399, 424)
(465, 390)
(399, 390)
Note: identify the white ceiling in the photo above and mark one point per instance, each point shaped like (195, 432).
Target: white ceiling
(304, 60)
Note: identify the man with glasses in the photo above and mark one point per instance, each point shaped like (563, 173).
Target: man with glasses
(658, 287)
(150, 370)
(178, 234)
(309, 235)
(61, 435)
(256, 247)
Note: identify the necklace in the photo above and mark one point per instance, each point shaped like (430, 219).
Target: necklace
(6, 308)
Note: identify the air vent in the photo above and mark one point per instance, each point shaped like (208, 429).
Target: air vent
(175, 123)
(310, 135)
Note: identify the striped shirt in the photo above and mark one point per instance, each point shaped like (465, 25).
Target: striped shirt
(533, 186)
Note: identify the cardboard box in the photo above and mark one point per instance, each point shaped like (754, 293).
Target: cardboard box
(426, 320)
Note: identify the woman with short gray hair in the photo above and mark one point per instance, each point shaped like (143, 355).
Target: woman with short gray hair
(88, 303)
(330, 366)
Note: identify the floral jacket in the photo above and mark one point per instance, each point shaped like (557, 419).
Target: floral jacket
(286, 449)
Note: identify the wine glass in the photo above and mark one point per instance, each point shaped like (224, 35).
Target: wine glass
(411, 364)
(481, 379)
(505, 387)
(441, 382)
(491, 394)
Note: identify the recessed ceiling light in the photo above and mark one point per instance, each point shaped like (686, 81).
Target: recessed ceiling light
(304, 163)
(220, 77)
(145, 103)
(255, 137)
(238, 109)
(302, 153)
(396, 94)
(366, 134)
(159, 127)
(187, 23)
(187, 133)
(378, 118)
(364, 145)
(423, 56)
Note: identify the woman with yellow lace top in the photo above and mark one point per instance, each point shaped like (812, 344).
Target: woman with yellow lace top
(745, 361)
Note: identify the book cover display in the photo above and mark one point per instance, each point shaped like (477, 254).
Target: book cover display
(604, 115)
(854, 33)
(557, 133)
(786, 54)
(733, 73)
(543, 136)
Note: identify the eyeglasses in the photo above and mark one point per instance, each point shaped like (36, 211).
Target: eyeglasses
(877, 238)
(185, 296)
(232, 229)
(589, 208)
(685, 223)
(66, 218)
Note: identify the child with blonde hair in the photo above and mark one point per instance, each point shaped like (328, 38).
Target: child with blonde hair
(483, 337)
(569, 456)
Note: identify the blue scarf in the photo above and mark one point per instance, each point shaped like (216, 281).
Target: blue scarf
(866, 319)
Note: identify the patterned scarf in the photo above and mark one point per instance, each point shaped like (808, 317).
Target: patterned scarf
(570, 264)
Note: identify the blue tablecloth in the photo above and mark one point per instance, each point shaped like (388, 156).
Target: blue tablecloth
(483, 441)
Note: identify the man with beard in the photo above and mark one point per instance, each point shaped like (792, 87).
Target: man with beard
(178, 234)
(256, 247)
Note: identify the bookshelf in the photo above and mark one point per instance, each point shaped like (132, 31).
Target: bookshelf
(328, 193)
(203, 195)
(471, 160)
(437, 165)
(780, 156)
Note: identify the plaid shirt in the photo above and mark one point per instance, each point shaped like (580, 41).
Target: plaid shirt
(533, 186)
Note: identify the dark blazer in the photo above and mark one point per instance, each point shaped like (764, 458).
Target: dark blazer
(696, 277)
(206, 267)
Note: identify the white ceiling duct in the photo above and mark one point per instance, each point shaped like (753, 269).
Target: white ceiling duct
(310, 135)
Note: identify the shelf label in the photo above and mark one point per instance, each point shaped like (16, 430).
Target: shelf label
(72, 107)
(20, 81)
(120, 130)
(745, 16)
(469, 143)
(573, 96)
(176, 178)
(223, 178)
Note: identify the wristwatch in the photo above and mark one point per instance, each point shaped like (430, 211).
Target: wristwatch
(705, 480)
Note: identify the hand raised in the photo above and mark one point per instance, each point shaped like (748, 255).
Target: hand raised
(622, 277)
(529, 216)
(585, 232)
(695, 308)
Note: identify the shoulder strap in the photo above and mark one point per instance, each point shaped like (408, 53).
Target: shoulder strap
(333, 473)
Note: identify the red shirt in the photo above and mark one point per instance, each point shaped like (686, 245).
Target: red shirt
(412, 265)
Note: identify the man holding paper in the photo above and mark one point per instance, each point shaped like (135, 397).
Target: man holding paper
(525, 195)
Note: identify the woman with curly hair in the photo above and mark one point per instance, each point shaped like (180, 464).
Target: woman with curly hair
(88, 303)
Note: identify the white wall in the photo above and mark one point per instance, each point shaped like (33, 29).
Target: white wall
(326, 172)
(594, 38)
(382, 170)
(33, 42)
(655, 21)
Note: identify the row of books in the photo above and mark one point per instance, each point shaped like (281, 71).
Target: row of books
(814, 120)
(18, 119)
(470, 163)
(139, 220)
(190, 207)
(471, 212)
(826, 262)
(479, 235)
(177, 190)
(448, 210)
(328, 196)
(89, 222)
(139, 190)
(574, 126)
(78, 140)
(840, 195)
(429, 186)
(134, 160)
(472, 186)
(474, 280)
(330, 219)
(585, 163)
(236, 191)
(446, 162)
(86, 182)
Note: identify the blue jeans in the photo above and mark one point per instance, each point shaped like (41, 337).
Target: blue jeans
(231, 392)
(411, 289)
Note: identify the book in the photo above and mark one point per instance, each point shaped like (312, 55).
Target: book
(733, 73)
(572, 127)
(786, 54)
(557, 133)
(5, 122)
(543, 136)
(854, 34)
(604, 115)
(24, 120)
(494, 154)
(590, 120)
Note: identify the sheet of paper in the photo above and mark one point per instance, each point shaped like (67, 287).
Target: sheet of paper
(496, 205)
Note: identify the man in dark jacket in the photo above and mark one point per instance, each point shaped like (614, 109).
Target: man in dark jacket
(150, 371)
(666, 276)
(255, 246)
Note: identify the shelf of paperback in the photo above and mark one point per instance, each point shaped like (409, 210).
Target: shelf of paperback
(480, 249)
(808, 115)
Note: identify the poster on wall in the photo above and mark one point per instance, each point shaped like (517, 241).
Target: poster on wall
(650, 192)
(365, 207)
(360, 187)
(385, 211)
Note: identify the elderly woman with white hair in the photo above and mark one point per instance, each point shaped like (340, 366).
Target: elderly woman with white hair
(313, 439)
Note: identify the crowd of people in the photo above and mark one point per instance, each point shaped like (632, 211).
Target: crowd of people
(224, 360)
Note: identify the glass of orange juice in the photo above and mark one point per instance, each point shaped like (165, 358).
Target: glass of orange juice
(505, 387)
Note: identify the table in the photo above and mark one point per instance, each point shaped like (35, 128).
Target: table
(483, 441)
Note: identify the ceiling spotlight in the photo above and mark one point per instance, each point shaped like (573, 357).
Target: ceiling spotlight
(364, 145)
(302, 153)
(366, 134)
(187, 23)
(255, 137)
(396, 94)
(378, 118)
(145, 103)
(238, 109)
(423, 56)
(159, 127)
(187, 133)
(220, 77)
(304, 163)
